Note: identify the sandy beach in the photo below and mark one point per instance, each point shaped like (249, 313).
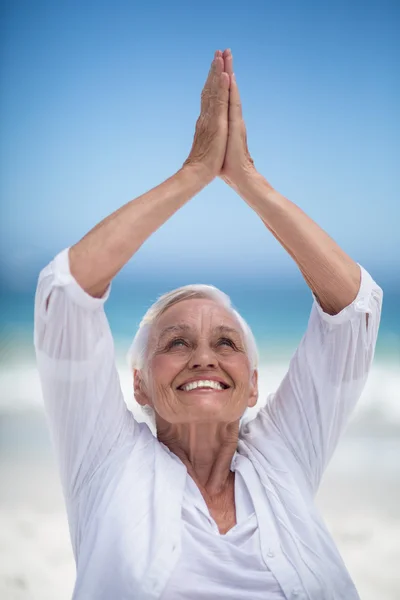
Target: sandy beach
(359, 499)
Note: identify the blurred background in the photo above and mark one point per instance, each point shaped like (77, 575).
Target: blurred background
(98, 104)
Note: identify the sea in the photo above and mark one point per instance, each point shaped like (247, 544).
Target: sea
(277, 311)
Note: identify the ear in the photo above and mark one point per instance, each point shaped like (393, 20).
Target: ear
(253, 389)
(139, 388)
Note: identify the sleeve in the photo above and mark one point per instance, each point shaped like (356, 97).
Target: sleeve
(326, 376)
(75, 355)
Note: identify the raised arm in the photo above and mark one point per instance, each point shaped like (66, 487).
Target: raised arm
(75, 354)
(102, 253)
(329, 369)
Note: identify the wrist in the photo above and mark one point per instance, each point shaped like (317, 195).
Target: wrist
(251, 182)
(259, 194)
(198, 173)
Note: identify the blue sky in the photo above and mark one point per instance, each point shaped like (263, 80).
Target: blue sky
(99, 101)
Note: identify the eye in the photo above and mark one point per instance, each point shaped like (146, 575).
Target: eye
(176, 342)
(226, 341)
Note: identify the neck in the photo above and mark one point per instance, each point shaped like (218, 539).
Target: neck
(205, 449)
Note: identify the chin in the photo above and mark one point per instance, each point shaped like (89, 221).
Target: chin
(206, 413)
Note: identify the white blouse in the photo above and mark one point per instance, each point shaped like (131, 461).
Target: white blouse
(139, 527)
(227, 567)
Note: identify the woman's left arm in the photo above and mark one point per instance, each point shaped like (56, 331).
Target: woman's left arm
(329, 369)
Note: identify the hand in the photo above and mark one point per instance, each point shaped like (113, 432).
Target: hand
(238, 163)
(211, 134)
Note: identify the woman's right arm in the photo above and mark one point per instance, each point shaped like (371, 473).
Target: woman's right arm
(89, 420)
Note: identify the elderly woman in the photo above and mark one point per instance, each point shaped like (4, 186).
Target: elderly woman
(209, 507)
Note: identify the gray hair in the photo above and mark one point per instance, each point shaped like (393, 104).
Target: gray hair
(137, 353)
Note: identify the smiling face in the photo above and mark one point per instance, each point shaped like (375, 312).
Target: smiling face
(197, 340)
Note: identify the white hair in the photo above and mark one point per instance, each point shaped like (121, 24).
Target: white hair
(137, 354)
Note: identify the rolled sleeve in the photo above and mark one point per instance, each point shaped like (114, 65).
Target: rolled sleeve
(81, 389)
(325, 379)
(59, 269)
(361, 303)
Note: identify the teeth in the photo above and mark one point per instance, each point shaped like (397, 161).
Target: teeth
(202, 384)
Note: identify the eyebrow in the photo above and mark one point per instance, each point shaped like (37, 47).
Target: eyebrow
(184, 328)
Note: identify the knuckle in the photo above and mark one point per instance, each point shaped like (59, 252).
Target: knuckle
(221, 101)
(200, 124)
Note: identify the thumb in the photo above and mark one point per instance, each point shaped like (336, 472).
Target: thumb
(235, 105)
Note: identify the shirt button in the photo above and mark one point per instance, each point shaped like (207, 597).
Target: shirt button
(295, 592)
(270, 554)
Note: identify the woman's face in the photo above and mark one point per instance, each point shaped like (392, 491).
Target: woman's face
(197, 340)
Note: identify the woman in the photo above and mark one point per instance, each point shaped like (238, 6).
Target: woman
(207, 509)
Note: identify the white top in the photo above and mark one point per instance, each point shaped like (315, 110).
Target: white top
(139, 527)
(227, 567)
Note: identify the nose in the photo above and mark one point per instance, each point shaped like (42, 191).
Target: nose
(203, 357)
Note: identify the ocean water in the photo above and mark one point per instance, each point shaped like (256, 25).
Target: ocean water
(277, 312)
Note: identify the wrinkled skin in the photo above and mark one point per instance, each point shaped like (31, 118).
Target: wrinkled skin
(201, 352)
(211, 133)
(237, 163)
(220, 141)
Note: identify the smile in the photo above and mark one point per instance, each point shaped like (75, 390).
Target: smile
(203, 385)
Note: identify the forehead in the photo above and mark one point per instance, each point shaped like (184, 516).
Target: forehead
(197, 313)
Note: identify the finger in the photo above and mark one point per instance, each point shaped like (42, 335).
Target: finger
(205, 94)
(218, 69)
(216, 80)
(228, 61)
(212, 69)
(223, 95)
(235, 105)
(212, 94)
